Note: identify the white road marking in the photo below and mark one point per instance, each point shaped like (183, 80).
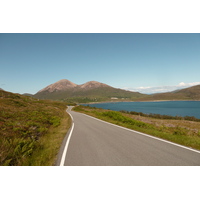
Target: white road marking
(71, 117)
(156, 138)
(62, 162)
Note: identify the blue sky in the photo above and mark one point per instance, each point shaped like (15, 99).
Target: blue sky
(147, 63)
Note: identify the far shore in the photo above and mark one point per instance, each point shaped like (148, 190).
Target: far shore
(134, 101)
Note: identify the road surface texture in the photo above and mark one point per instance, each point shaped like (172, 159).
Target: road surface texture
(92, 142)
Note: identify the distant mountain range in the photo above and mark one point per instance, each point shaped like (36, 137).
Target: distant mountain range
(91, 91)
(94, 91)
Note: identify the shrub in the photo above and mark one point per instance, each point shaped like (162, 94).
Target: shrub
(55, 121)
(180, 131)
(158, 116)
(117, 116)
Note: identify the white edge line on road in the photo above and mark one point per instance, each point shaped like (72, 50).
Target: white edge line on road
(145, 134)
(62, 162)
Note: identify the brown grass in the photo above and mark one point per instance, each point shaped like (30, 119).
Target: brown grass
(30, 127)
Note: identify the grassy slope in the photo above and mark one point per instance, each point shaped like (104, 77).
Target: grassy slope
(191, 93)
(31, 131)
(183, 132)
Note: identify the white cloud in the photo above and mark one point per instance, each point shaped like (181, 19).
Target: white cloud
(143, 88)
(181, 84)
(188, 84)
(160, 89)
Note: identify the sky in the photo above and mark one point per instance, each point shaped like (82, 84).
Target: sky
(140, 62)
(143, 62)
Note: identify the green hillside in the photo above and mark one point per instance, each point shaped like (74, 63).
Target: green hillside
(80, 95)
(31, 130)
(191, 93)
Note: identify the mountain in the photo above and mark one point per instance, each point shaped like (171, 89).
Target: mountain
(59, 86)
(94, 91)
(27, 94)
(88, 92)
(1, 89)
(191, 93)
(92, 84)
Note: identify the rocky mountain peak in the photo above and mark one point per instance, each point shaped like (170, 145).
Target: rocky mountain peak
(93, 84)
(66, 85)
(63, 84)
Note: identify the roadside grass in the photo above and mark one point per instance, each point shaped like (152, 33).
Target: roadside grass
(49, 144)
(31, 130)
(178, 131)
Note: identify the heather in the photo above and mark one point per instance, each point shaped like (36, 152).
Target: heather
(27, 126)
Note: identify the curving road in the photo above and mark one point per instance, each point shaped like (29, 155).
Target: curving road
(92, 142)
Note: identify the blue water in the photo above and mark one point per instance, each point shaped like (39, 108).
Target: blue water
(173, 108)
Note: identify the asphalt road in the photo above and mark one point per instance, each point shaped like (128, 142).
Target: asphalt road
(92, 142)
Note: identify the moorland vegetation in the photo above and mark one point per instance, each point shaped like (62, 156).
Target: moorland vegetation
(31, 130)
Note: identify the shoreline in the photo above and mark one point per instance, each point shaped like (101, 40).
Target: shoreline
(133, 101)
(152, 111)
